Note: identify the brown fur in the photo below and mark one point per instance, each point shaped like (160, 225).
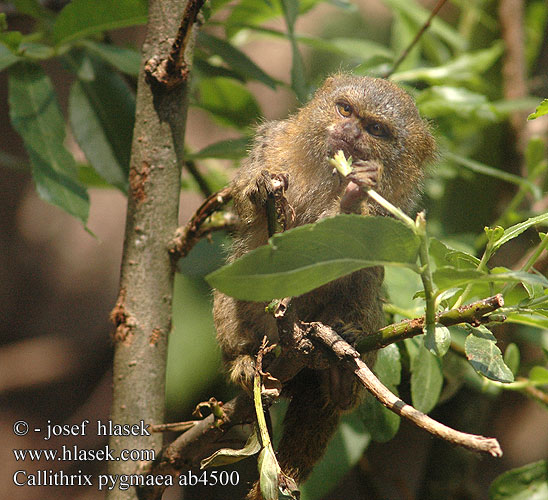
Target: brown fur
(390, 145)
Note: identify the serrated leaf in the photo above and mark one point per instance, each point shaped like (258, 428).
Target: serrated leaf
(307, 257)
(443, 254)
(529, 482)
(426, 380)
(539, 374)
(228, 101)
(437, 340)
(227, 456)
(229, 149)
(36, 116)
(514, 231)
(102, 114)
(542, 109)
(485, 357)
(81, 18)
(235, 59)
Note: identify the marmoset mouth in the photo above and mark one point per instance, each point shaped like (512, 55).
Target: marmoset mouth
(347, 147)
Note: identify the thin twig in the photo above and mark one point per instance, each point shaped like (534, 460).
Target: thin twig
(418, 36)
(186, 237)
(174, 427)
(170, 72)
(200, 441)
(351, 358)
(474, 314)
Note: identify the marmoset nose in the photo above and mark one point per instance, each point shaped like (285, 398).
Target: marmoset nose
(352, 129)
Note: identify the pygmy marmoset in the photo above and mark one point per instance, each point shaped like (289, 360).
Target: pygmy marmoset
(377, 123)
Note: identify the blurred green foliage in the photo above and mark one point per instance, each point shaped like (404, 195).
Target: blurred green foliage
(454, 72)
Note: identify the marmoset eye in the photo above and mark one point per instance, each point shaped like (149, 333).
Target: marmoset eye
(344, 109)
(377, 129)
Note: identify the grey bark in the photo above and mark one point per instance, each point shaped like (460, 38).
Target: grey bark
(143, 311)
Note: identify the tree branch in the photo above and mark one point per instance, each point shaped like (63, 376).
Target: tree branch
(474, 313)
(142, 314)
(417, 37)
(299, 349)
(186, 237)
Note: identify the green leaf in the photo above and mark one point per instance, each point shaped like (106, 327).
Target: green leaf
(388, 365)
(517, 229)
(539, 374)
(529, 482)
(344, 451)
(439, 101)
(205, 69)
(527, 319)
(11, 39)
(426, 379)
(541, 110)
(227, 456)
(251, 12)
(485, 357)
(298, 80)
(33, 50)
(7, 57)
(379, 421)
(466, 68)
(36, 116)
(32, 8)
(481, 168)
(419, 15)
(228, 101)
(437, 340)
(309, 256)
(444, 254)
(102, 114)
(447, 277)
(512, 358)
(357, 48)
(535, 159)
(235, 59)
(268, 473)
(229, 149)
(125, 60)
(81, 18)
